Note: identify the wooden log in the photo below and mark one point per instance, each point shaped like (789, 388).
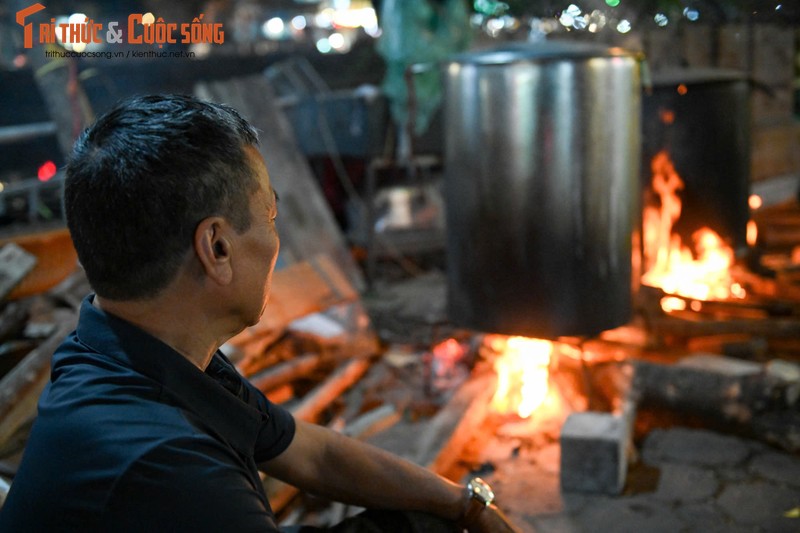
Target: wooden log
(321, 397)
(20, 388)
(730, 395)
(285, 372)
(340, 332)
(750, 307)
(777, 289)
(732, 344)
(372, 422)
(455, 425)
(687, 325)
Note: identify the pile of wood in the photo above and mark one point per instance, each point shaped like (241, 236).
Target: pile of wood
(31, 328)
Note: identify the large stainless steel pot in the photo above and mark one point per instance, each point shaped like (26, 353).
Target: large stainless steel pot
(542, 158)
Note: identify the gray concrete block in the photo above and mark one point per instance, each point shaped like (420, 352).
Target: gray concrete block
(593, 453)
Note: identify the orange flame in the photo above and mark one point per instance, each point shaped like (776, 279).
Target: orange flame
(670, 265)
(522, 376)
(755, 202)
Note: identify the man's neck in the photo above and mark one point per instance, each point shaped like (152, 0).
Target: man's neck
(165, 318)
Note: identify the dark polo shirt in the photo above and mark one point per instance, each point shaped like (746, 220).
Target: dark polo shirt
(131, 436)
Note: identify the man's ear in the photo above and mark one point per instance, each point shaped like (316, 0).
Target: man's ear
(212, 246)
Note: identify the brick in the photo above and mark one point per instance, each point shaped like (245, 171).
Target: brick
(593, 453)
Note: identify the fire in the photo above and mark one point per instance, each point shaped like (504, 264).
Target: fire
(669, 264)
(755, 202)
(522, 374)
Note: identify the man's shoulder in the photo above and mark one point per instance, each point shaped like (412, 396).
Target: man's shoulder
(195, 478)
(95, 402)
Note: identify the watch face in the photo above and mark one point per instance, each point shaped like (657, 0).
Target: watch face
(481, 491)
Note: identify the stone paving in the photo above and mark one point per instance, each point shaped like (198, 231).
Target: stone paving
(701, 481)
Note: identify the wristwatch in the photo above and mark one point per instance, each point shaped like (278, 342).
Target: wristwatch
(480, 496)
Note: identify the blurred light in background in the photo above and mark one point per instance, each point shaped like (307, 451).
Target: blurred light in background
(47, 171)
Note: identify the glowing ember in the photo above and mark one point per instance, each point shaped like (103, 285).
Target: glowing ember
(752, 233)
(755, 202)
(446, 367)
(703, 275)
(522, 377)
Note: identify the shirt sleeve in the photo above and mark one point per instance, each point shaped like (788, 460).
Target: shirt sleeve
(278, 428)
(187, 484)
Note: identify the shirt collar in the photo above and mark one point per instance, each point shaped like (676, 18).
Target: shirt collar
(233, 419)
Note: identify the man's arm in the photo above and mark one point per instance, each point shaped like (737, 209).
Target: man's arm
(325, 463)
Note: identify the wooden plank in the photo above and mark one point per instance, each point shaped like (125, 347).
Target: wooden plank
(372, 422)
(306, 223)
(451, 429)
(285, 372)
(13, 318)
(20, 388)
(55, 256)
(15, 264)
(321, 397)
(688, 324)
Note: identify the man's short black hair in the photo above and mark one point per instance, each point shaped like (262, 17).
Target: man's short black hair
(142, 177)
